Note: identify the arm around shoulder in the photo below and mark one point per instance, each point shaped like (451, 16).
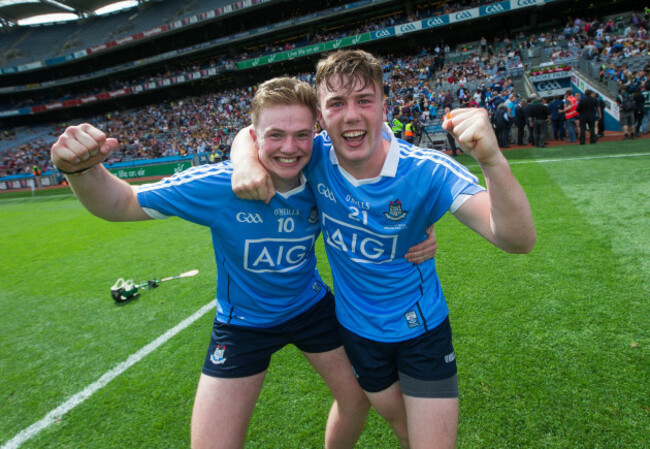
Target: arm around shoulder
(250, 181)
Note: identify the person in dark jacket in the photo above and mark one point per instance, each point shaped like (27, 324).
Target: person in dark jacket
(638, 111)
(601, 115)
(529, 123)
(557, 117)
(502, 124)
(588, 112)
(539, 115)
(450, 139)
(520, 121)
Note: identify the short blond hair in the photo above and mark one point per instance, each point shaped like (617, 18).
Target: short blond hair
(349, 67)
(283, 91)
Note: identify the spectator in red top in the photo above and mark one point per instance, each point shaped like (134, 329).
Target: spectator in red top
(570, 114)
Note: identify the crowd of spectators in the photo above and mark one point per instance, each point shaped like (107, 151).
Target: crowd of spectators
(201, 124)
(420, 85)
(191, 125)
(225, 61)
(609, 44)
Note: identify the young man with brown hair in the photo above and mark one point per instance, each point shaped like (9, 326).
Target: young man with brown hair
(376, 195)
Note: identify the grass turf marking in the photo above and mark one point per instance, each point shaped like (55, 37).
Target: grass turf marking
(562, 159)
(111, 374)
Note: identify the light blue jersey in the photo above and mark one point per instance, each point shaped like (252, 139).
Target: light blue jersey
(369, 225)
(266, 267)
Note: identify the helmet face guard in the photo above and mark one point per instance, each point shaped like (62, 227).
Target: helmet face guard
(124, 290)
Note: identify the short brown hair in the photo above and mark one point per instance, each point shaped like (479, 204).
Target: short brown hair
(283, 91)
(349, 67)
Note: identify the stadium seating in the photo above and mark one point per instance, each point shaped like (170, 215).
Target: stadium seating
(181, 126)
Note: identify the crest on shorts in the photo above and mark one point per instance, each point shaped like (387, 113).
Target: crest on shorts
(217, 356)
(395, 212)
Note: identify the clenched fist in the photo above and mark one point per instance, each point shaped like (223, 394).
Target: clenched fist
(473, 131)
(81, 147)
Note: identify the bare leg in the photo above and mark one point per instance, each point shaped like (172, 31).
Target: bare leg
(389, 403)
(348, 414)
(222, 411)
(432, 422)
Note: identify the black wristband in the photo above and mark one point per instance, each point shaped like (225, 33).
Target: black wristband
(77, 172)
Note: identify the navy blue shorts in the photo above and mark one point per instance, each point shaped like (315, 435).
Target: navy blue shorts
(241, 351)
(378, 365)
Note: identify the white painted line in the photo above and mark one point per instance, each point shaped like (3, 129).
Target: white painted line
(583, 158)
(91, 389)
(578, 158)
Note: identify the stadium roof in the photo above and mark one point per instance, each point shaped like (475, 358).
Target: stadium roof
(13, 11)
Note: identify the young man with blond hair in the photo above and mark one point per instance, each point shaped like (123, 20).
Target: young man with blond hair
(269, 293)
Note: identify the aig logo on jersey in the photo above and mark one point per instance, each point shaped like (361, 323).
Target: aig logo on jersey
(247, 217)
(362, 245)
(276, 255)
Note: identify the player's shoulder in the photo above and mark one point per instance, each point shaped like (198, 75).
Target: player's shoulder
(207, 173)
(423, 157)
(194, 177)
(322, 139)
(321, 148)
(427, 163)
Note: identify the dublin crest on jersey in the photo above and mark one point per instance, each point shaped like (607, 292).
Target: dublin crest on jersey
(313, 215)
(395, 211)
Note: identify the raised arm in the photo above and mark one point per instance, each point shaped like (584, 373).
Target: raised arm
(502, 215)
(79, 152)
(250, 181)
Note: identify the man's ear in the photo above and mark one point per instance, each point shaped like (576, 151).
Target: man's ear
(384, 117)
(254, 135)
(319, 117)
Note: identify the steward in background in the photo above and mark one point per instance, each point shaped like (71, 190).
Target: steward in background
(570, 114)
(397, 127)
(409, 134)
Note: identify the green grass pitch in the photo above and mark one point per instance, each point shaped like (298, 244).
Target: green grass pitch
(553, 347)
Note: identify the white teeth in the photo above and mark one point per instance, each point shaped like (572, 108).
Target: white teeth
(287, 160)
(352, 134)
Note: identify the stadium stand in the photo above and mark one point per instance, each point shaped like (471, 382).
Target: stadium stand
(203, 113)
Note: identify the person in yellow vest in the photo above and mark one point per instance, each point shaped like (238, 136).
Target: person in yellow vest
(397, 127)
(216, 156)
(36, 171)
(408, 131)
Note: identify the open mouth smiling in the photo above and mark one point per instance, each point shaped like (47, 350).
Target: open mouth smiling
(354, 137)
